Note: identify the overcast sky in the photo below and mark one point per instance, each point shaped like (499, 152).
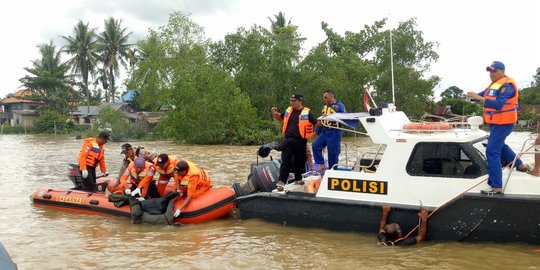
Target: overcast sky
(471, 34)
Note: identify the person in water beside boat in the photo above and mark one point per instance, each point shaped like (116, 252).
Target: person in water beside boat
(328, 133)
(297, 128)
(92, 155)
(139, 174)
(500, 101)
(391, 234)
(191, 180)
(536, 170)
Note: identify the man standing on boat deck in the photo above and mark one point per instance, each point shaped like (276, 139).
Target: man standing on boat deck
(91, 155)
(191, 180)
(298, 123)
(536, 170)
(391, 235)
(330, 135)
(500, 101)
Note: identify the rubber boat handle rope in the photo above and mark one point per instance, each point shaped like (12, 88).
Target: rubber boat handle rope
(461, 194)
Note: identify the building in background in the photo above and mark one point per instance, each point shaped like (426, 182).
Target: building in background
(20, 109)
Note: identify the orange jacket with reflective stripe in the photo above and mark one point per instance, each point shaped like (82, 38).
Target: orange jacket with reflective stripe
(91, 155)
(169, 169)
(304, 126)
(508, 113)
(196, 181)
(141, 179)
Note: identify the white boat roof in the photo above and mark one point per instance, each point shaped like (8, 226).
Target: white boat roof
(387, 128)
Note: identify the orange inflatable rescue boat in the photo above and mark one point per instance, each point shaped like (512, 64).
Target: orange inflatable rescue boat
(213, 204)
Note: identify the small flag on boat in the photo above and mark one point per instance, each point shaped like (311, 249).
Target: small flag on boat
(366, 102)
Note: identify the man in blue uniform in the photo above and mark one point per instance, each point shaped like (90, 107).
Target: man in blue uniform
(500, 102)
(329, 135)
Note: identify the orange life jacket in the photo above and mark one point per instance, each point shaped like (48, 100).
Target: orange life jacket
(195, 182)
(92, 154)
(304, 126)
(508, 113)
(169, 169)
(136, 178)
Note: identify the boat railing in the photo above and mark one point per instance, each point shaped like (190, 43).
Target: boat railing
(345, 128)
(518, 155)
(367, 159)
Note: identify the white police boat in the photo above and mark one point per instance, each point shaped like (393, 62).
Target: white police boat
(437, 166)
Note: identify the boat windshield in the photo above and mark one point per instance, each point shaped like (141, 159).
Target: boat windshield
(480, 148)
(443, 160)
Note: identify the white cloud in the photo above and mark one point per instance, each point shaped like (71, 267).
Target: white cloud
(471, 34)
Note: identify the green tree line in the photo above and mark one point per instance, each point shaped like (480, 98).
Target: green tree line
(221, 92)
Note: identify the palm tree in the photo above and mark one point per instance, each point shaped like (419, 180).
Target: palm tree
(49, 78)
(279, 22)
(114, 51)
(83, 48)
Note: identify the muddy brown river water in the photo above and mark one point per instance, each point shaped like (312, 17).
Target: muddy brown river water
(45, 238)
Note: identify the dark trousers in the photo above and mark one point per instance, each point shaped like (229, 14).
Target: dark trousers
(293, 156)
(89, 183)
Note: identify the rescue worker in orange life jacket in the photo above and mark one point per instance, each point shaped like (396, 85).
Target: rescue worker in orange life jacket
(500, 102)
(164, 165)
(139, 174)
(129, 156)
(91, 155)
(298, 124)
(191, 180)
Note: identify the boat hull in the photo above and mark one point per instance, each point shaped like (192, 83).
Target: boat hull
(473, 217)
(213, 204)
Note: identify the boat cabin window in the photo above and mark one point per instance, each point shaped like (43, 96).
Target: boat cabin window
(442, 160)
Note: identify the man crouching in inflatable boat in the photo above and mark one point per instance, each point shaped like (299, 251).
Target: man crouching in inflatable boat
(190, 179)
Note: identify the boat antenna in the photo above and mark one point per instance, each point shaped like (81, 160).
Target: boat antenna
(392, 69)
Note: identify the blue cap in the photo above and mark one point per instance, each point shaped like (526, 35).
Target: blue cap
(496, 65)
(139, 162)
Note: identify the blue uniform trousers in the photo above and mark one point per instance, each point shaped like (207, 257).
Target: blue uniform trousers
(498, 151)
(330, 138)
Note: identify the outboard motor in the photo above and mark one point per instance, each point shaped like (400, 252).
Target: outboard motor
(263, 177)
(75, 176)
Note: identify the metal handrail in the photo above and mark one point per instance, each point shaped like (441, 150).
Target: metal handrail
(522, 152)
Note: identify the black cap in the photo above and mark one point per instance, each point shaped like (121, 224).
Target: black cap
(297, 97)
(162, 159)
(105, 135)
(125, 148)
(181, 166)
